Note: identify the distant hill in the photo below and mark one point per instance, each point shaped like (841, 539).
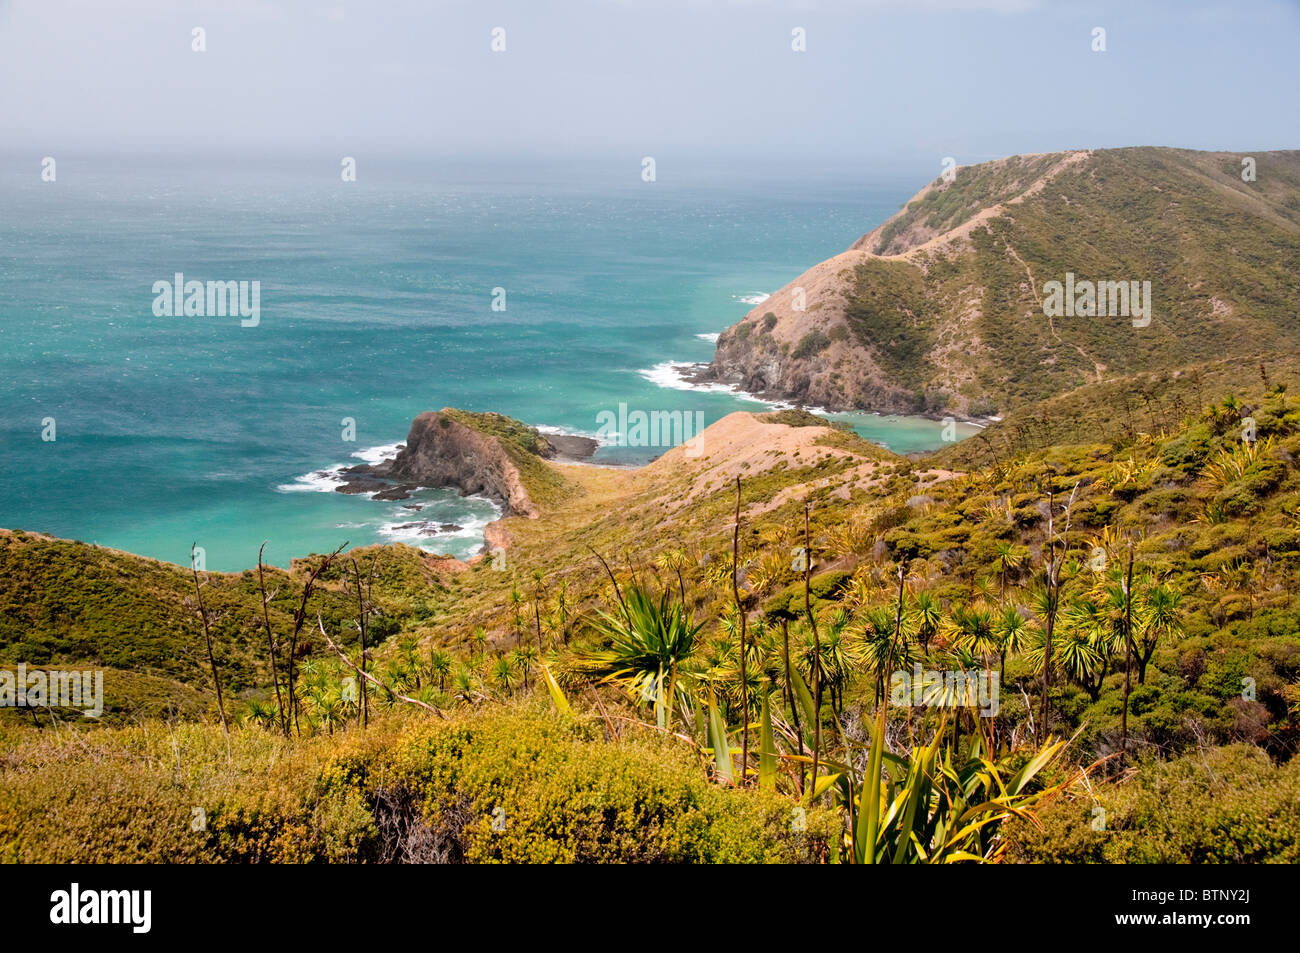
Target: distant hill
(940, 309)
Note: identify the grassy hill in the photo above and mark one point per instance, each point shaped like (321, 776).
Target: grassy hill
(70, 604)
(1121, 409)
(941, 308)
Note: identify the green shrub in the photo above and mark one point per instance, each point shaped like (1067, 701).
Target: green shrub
(814, 342)
(788, 603)
(1226, 805)
(415, 790)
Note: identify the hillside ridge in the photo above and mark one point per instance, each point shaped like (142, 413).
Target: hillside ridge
(939, 310)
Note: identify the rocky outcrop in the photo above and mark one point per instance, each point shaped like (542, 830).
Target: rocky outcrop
(569, 448)
(441, 451)
(496, 536)
(833, 337)
(486, 454)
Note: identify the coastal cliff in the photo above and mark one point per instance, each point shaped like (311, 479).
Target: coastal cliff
(442, 451)
(487, 454)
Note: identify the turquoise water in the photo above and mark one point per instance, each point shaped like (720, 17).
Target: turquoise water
(376, 304)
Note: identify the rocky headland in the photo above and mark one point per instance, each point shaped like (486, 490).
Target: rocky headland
(940, 310)
(477, 454)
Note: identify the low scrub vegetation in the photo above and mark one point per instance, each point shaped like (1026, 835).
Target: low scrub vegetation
(1123, 617)
(513, 783)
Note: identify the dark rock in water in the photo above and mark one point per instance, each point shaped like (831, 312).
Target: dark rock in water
(571, 447)
(424, 529)
(413, 506)
(430, 529)
(699, 374)
(362, 485)
(401, 492)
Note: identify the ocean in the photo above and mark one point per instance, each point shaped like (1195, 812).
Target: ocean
(376, 303)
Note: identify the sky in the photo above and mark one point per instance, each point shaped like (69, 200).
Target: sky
(972, 79)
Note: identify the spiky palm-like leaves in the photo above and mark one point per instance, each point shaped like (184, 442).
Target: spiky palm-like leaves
(1160, 618)
(651, 645)
(440, 667)
(928, 616)
(523, 660)
(1236, 462)
(463, 683)
(974, 628)
(1010, 559)
(934, 807)
(839, 655)
(502, 673)
(1013, 633)
(886, 645)
(261, 714)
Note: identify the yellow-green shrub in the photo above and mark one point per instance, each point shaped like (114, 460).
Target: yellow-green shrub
(1225, 805)
(407, 788)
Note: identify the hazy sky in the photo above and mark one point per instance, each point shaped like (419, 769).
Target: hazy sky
(659, 77)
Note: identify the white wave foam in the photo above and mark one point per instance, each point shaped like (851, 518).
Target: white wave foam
(756, 297)
(711, 338)
(410, 531)
(672, 374)
(325, 480)
(318, 481)
(429, 534)
(566, 432)
(373, 455)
